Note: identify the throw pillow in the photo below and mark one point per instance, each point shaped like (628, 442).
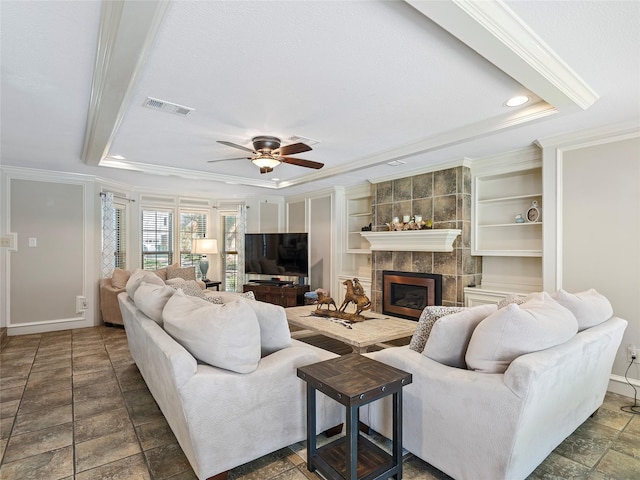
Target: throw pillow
(517, 299)
(515, 330)
(162, 272)
(224, 336)
(447, 344)
(186, 273)
(137, 277)
(274, 327)
(590, 307)
(428, 317)
(151, 299)
(225, 297)
(189, 287)
(119, 278)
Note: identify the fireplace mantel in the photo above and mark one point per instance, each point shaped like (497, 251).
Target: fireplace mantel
(436, 240)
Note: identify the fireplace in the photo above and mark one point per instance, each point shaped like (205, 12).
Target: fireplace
(405, 294)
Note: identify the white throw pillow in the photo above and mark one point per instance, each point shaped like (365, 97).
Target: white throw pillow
(274, 327)
(225, 336)
(590, 307)
(447, 344)
(427, 319)
(139, 276)
(151, 299)
(516, 330)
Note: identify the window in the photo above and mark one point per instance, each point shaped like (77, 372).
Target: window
(230, 252)
(120, 253)
(157, 239)
(192, 225)
(166, 241)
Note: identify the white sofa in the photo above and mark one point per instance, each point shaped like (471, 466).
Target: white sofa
(476, 425)
(222, 418)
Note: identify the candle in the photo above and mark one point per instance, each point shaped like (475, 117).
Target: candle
(418, 218)
(406, 219)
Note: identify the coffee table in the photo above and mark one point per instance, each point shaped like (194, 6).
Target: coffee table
(377, 329)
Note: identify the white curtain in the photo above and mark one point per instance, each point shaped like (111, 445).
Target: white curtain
(108, 234)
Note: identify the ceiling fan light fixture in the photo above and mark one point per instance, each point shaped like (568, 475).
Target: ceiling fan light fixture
(266, 162)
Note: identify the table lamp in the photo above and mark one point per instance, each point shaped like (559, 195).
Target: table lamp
(204, 247)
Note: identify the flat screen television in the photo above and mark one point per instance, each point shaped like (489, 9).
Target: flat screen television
(276, 257)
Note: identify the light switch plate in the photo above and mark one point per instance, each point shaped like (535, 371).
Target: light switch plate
(33, 242)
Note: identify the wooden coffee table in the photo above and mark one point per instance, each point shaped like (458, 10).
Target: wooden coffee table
(377, 329)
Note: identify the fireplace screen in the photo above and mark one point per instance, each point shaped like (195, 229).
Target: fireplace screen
(405, 294)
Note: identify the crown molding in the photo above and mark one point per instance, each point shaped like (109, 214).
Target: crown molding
(589, 138)
(494, 31)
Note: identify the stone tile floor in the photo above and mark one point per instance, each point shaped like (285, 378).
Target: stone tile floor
(74, 406)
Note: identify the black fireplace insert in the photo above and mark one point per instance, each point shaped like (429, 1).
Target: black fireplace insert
(405, 294)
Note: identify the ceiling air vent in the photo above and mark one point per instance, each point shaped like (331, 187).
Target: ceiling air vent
(167, 107)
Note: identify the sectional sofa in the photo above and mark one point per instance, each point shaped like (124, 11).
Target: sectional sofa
(223, 374)
(495, 391)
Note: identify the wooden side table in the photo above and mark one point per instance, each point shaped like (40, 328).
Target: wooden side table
(354, 380)
(212, 283)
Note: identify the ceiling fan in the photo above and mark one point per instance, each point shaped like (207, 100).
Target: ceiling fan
(268, 154)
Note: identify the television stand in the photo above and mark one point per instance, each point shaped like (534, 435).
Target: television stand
(287, 295)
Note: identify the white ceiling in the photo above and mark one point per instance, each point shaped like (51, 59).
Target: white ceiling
(371, 82)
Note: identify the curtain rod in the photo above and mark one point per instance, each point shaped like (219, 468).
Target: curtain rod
(102, 194)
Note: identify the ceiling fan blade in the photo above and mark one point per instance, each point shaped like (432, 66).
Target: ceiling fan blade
(235, 145)
(301, 162)
(292, 149)
(225, 159)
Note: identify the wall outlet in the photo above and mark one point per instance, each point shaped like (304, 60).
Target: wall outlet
(632, 353)
(81, 304)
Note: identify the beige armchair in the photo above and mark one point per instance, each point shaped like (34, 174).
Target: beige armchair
(109, 306)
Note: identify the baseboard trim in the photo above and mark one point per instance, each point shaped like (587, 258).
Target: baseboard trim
(618, 384)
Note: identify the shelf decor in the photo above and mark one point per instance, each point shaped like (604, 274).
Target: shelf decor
(437, 240)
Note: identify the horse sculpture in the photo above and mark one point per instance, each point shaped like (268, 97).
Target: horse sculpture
(355, 294)
(324, 299)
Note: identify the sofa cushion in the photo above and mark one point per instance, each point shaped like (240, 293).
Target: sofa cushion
(274, 327)
(515, 330)
(119, 278)
(590, 307)
(151, 299)
(447, 344)
(186, 273)
(225, 336)
(139, 276)
(428, 317)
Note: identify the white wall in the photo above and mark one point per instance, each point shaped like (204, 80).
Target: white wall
(597, 229)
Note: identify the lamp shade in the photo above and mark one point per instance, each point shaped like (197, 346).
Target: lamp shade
(264, 161)
(205, 246)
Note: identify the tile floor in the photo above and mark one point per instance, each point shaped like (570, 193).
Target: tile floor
(74, 406)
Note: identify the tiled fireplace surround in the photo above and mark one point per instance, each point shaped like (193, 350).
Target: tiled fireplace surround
(445, 197)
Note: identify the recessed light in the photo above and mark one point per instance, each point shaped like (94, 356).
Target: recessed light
(517, 101)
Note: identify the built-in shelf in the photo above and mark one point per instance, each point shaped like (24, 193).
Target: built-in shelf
(437, 240)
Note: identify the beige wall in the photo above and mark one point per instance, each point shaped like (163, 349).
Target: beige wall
(46, 279)
(600, 220)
